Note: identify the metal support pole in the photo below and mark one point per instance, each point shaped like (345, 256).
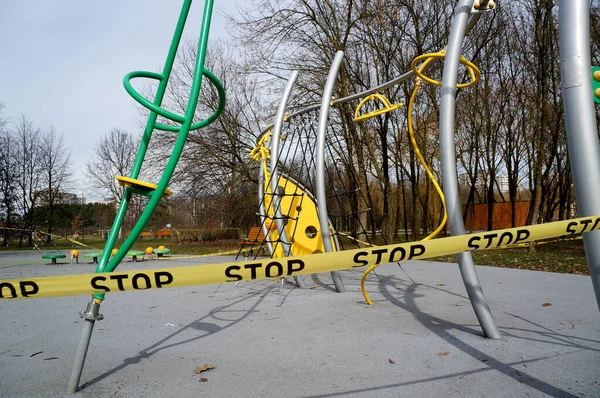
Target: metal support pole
(580, 121)
(275, 200)
(448, 165)
(320, 177)
(90, 316)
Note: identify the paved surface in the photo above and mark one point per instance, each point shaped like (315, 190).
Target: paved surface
(420, 338)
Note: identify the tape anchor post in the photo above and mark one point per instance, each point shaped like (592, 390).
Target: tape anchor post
(91, 312)
(90, 316)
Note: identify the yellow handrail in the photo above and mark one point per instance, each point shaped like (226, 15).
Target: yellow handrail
(475, 76)
(387, 107)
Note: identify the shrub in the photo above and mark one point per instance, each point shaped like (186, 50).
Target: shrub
(207, 235)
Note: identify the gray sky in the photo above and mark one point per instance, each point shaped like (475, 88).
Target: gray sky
(63, 62)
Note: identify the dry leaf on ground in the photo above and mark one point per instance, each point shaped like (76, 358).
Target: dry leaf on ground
(546, 304)
(203, 380)
(199, 369)
(443, 353)
(392, 362)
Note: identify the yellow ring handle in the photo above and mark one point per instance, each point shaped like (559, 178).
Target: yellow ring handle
(474, 71)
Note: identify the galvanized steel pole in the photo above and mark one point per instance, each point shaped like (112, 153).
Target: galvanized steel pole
(275, 199)
(320, 176)
(448, 165)
(580, 121)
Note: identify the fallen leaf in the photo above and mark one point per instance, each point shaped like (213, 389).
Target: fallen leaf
(199, 369)
(203, 380)
(444, 353)
(440, 284)
(392, 362)
(546, 304)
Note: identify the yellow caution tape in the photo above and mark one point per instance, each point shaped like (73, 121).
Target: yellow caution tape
(271, 268)
(75, 242)
(190, 256)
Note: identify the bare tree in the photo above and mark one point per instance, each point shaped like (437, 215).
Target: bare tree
(215, 161)
(114, 155)
(28, 163)
(8, 174)
(54, 171)
(511, 123)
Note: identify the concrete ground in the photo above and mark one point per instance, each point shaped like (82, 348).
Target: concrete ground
(420, 338)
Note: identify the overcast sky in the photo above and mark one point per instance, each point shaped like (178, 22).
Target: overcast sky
(62, 62)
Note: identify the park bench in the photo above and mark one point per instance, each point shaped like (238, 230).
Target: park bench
(53, 257)
(134, 254)
(255, 237)
(144, 234)
(93, 256)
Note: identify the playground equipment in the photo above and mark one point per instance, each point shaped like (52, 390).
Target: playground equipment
(320, 155)
(467, 15)
(283, 189)
(53, 257)
(182, 125)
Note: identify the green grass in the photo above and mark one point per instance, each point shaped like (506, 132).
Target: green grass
(92, 243)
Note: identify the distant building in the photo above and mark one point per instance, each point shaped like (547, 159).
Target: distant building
(62, 198)
(482, 181)
(67, 198)
(502, 183)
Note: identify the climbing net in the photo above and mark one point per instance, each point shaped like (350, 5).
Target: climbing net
(291, 201)
(288, 179)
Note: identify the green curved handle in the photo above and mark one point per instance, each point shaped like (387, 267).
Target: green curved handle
(212, 118)
(142, 100)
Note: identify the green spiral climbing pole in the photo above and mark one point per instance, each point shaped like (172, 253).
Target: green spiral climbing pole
(183, 124)
(134, 186)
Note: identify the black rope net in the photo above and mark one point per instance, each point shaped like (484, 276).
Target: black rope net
(352, 224)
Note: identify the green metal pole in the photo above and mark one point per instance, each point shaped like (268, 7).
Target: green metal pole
(91, 314)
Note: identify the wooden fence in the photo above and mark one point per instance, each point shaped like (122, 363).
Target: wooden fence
(477, 215)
